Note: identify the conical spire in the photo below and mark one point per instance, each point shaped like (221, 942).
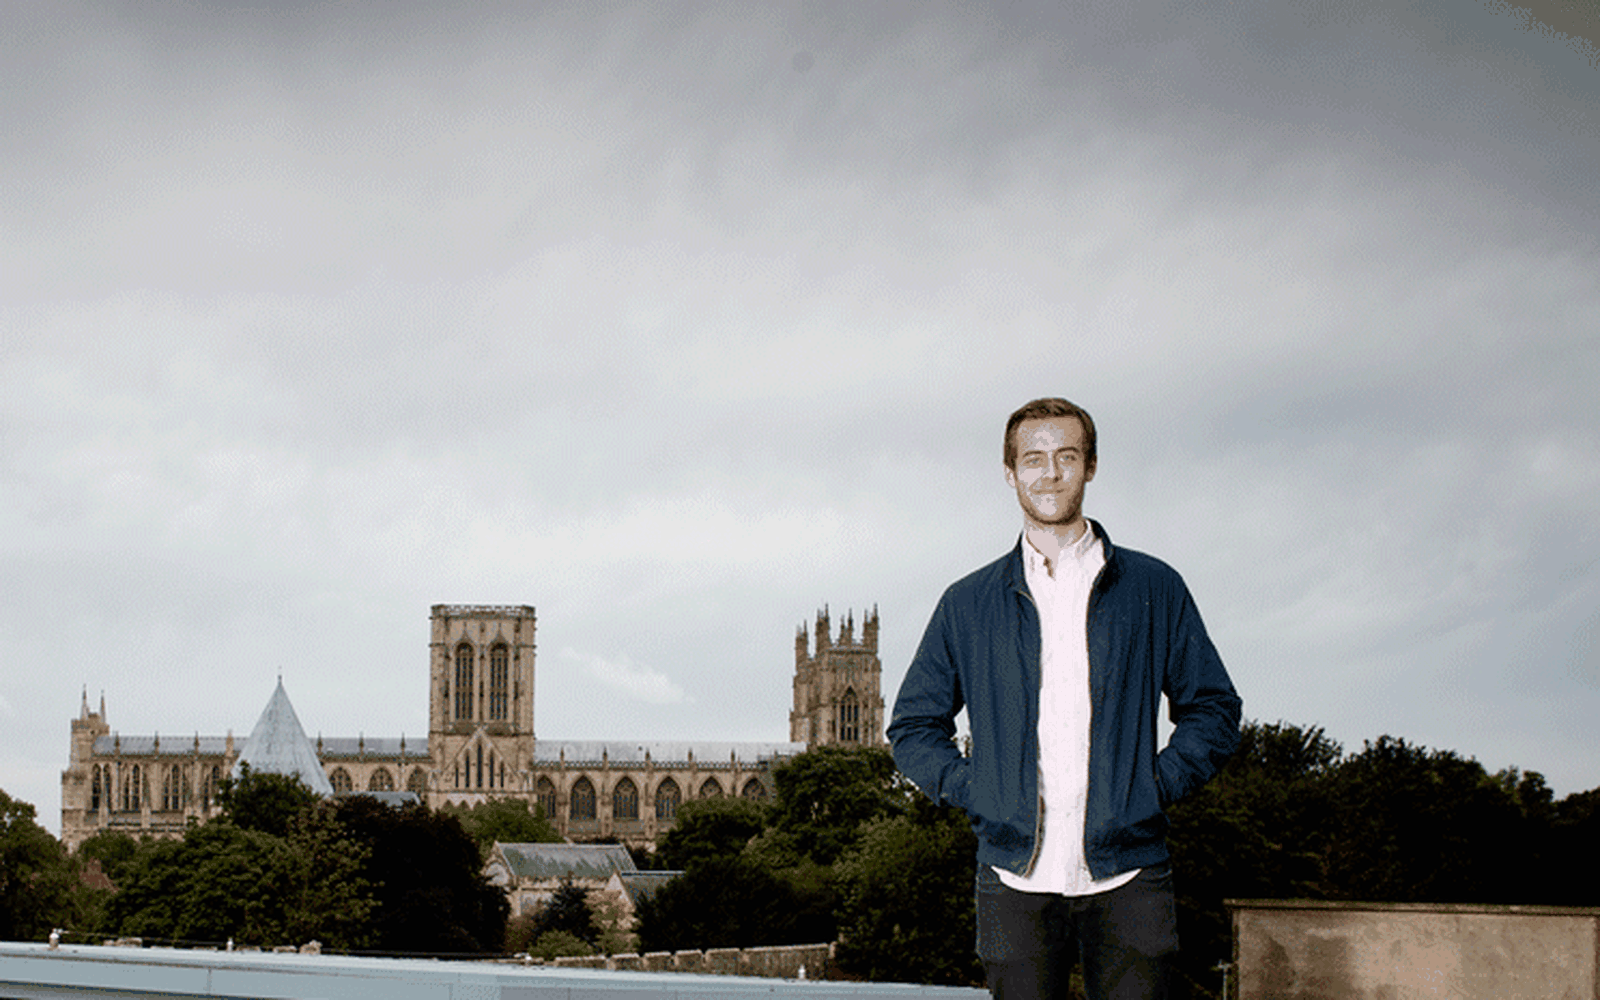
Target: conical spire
(278, 745)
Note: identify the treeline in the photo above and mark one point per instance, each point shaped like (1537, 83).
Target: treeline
(846, 852)
(279, 866)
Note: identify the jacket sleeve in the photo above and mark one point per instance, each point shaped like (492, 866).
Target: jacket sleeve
(922, 730)
(1202, 704)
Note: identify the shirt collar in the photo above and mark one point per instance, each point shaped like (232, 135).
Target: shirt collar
(1075, 554)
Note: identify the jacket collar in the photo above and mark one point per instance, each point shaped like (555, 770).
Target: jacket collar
(1016, 579)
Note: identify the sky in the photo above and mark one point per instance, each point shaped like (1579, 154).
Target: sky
(680, 322)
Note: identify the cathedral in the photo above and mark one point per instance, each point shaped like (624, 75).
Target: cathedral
(480, 744)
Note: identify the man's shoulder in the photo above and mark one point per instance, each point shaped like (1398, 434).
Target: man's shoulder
(989, 577)
(1136, 567)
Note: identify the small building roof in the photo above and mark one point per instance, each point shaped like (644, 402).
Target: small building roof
(542, 862)
(642, 885)
(278, 745)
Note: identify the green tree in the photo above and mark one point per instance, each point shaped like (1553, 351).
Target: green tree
(223, 882)
(262, 800)
(826, 796)
(1412, 825)
(905, 910)
(509, 821)
(432, 894)
(567, 910)
(37, 882)
(710, 828)
(114, 850)
(732, 902)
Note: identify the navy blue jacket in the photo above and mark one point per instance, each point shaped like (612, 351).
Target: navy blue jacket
(981, 651)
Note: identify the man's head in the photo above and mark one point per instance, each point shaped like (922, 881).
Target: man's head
(1050, 458)
(1039, 409)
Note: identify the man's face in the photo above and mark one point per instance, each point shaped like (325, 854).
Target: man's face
(1051, 470)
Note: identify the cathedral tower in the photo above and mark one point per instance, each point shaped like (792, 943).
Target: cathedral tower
(480, 699)
(838, 691)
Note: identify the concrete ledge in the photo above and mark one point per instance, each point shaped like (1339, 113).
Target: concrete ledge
(1293, 949)
(35, 971)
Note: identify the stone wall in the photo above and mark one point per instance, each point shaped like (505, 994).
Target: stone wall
(1301, 949)
(779, 962)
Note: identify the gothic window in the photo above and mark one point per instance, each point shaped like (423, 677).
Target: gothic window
(499, 671)
(667, 799)
(625, 800)
(464, 681)
(188, 791)
(850, 717)
(491, 769)
(171, 789)
(582, 804)
(94, 789)
(754, 789)
(480, 767)
(418, 782)
(710, 789)
(546, 793)
(130, 790)
(381, 781)
(340, 780)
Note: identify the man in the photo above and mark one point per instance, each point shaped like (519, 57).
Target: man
(1060, 652)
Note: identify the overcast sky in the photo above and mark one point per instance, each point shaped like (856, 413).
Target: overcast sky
(678, 322)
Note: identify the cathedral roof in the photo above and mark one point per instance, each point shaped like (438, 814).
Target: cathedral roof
(278, 745)
(662, 752)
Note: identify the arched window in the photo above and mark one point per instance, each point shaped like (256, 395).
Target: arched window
(418, 782)
(710, 789)
(122, 788)
(213, 781)
(171, 789)
(340, 780)
(130, 791)
(499, 672)
(754, 789)
(545, 792)
(850, 717)
(381, 781)
(188, 791)
(94, 789)
(582, 804)
(480, 767)
(625, 800)
(667, 799)
(464, 681)
(491, 768)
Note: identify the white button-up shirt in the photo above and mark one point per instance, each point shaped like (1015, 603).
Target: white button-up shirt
(1062, 598)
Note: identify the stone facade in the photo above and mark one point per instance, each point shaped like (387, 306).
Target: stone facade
(838, 692)
(481, 745)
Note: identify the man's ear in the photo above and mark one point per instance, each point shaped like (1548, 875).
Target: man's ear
(1011, 477)
(1088, 472)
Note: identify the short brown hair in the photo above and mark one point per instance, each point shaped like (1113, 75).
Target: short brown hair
(1050, 406)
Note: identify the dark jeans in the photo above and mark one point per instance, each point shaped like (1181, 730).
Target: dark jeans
(1127, 938)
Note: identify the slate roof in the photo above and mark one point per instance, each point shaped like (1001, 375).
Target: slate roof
(278, 745)
(372, 746)
(644, 884)
(662, 752)
(170, 746)
(541, 862)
